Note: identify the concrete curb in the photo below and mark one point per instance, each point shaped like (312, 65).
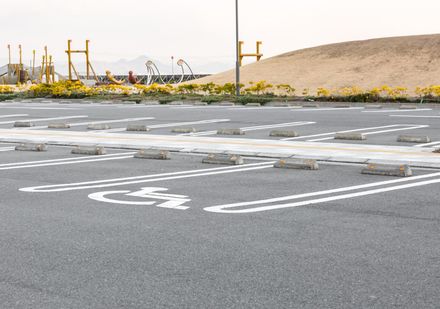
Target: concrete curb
(281, 133)
(23, 124)
(37, 147)
(153, 154)
(184, 130)
(230, 132)
(89, 150)
(299, 164)
(225, 159)
(137, 128)
(388, 170)
(414, 139)
(351, 136)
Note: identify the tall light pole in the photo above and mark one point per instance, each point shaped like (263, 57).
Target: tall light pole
(237, 59)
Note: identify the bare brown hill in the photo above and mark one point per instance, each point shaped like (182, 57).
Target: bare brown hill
(408, 61)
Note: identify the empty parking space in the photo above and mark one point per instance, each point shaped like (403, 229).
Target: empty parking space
(95, 223)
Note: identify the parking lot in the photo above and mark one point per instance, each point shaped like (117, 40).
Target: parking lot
(112, 231)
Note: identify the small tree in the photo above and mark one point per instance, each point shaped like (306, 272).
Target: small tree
(287, 89)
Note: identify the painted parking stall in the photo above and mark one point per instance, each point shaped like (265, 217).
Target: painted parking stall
(86, 225)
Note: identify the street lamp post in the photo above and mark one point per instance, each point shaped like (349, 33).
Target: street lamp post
(237, 60)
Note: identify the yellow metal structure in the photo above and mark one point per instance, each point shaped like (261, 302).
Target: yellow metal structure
(16, 71)
(33, 63)
(47, 68)
(89, 66)
(257, 55)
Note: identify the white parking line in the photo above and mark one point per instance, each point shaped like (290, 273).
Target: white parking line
(375, 132)
(333, 109)
(428, 144)
(14, 115)
(44, 119)
(256, 128)
(43, 108)
(350, 131)
(2, 149)
(66, 161)
(413, 116)
(399, 110)
(227, 207)
(199, 107)
(78, 124)
(244, 108)
(175, 124)
(148, 178)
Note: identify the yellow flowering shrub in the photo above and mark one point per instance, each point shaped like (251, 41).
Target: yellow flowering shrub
(155, 89)
(323, 92)
(208, 88)
(431, 91)
(287, 89)
(115, 89)
(62, 89)
(349, 91)
(259, 87)
(188, 88)
(5, 89)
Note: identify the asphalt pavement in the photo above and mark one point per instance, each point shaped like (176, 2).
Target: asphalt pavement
(113, 231)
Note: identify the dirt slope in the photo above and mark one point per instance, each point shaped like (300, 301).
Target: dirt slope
(409, 61)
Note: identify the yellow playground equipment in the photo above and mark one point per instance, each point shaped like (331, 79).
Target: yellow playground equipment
(13, 73)
(17, 73)
(112, 79)
(257, 55)
(47, 68)
(89, 66)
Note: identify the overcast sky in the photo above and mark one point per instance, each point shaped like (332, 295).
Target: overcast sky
(202, 31)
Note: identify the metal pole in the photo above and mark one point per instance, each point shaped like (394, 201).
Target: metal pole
(172, 65)
(69, 59)
(237, 47)
(9, 63)
(87, 59)
(47, 65)
(33, 63)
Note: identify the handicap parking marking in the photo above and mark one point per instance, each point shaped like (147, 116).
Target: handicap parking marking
(380, 131)
(115, 182)
(256, 128)
(171, 201)
(65, 161)
(273, 203)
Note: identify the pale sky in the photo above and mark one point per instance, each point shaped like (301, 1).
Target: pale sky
(203, 31)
